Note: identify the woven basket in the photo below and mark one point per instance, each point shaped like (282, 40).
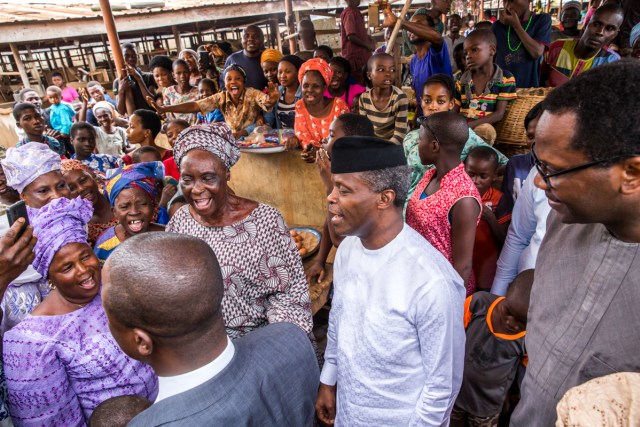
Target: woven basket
(511, 129)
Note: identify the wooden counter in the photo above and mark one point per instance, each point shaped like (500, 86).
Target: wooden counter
(284, 181)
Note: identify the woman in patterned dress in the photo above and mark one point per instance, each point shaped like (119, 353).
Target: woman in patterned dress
(262, 270)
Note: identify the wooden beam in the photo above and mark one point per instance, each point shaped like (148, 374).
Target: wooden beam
(23, 71)
(176, 37)
(289, 22)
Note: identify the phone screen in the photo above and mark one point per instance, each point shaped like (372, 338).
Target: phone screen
(204, 59)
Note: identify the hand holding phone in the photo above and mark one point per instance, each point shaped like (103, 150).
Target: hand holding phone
(15, 211)
(15, 253)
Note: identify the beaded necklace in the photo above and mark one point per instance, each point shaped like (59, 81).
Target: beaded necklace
(509, 35)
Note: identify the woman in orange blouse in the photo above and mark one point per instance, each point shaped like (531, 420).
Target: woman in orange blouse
(314, 112)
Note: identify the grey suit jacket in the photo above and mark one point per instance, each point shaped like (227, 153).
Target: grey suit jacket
(272, 380)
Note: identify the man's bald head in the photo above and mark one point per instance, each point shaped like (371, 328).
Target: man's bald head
(166, 284)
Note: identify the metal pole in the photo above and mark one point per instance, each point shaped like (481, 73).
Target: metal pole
(288, 12)
(23, 71)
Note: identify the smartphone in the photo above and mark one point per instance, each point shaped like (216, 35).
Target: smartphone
(204, 60)
(169, 180)
(15, 211)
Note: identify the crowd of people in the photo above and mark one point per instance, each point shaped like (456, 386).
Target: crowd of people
(469, 288)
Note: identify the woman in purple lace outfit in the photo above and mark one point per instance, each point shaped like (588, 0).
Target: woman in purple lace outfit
(61, 360)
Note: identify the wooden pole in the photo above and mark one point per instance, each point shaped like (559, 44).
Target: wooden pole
(176, 36)
(21, 69)
(396, 29)
(116, 51)
(288, 17)
(114, 74)
(276, 27)
(112, 35)
(33, 67)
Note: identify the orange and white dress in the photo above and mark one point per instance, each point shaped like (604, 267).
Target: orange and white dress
(312, 130)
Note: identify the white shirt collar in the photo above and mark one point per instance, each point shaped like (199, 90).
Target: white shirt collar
(170, 386)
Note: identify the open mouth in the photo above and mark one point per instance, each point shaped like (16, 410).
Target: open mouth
(234, 90)
(387, 82)
(336, 216)
(135, 225)
(202, 204)
(88, 283)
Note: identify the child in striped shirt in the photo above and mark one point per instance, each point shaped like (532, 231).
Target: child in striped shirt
(384, 104)
(485, 89)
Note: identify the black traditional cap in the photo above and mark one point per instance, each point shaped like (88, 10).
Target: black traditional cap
(365, 153)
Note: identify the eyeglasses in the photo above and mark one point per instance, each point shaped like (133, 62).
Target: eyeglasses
(422, 121)
(546, 176)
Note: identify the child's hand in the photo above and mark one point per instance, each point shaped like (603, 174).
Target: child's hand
(291, 142)
(309, 154)
(52, 133)
(84, 95)
(509, 17)
(168, 192)
(324, 167)
(132, 72)
(487, 214)
(159, 108)
(389, 18)
(316, 270)
(273, 93)
(124, 84)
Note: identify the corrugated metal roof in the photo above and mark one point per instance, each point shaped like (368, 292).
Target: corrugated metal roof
(19, 11)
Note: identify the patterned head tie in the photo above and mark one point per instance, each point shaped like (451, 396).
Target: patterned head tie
(58, 223)
(319, 65)
(215, 138)
(26, 163)
(144, 176)
(234, 67)
(68, 165)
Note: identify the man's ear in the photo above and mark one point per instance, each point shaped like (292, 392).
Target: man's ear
(386, 199)
(630, 175)
(143, 342)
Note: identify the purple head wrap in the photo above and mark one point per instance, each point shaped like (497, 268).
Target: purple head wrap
(26, 163)
(58, 223)
(215, 138)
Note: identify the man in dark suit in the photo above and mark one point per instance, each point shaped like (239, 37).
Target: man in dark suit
(162, 294)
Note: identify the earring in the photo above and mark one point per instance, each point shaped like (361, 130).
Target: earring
(51, 285)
